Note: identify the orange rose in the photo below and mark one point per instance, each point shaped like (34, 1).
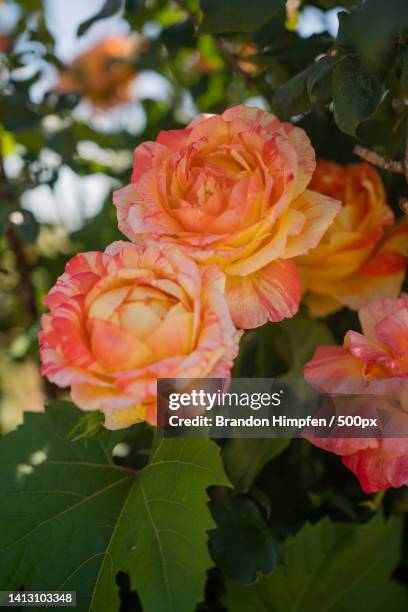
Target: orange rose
(363, 254)
(104, 73)
(230, 189)
(121, 319)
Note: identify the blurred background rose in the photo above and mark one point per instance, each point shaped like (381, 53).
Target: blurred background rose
(104, 73)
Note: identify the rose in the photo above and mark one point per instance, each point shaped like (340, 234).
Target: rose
(230, 189)
(362, 255)
(120, 319)
(374, 363)
(104, 73)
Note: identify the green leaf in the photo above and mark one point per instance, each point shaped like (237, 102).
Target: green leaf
(109, 8)
(371, 30)
(331, 567)
(280, 349)
(291, 98)
(72, 519)
(356, 94)
(165, 550)
(244, 458)
(318, 84)
(346, 38)
(242, 544)
(237, 15)
(284, 348)
(88, 426)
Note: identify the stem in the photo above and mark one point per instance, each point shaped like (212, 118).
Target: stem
(375, 502)
(381, 162)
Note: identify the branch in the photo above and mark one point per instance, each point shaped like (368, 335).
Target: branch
(381, 162)
(28, 295)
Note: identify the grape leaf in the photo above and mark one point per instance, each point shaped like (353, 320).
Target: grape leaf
(71, 519)
(285, 347)
(335, 567)
(244, 458)
(242, 545)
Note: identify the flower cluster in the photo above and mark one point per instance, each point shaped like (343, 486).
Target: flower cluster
(216, 213)
(224, 220)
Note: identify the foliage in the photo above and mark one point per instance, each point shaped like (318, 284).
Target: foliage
(338, 565)
(59, 491)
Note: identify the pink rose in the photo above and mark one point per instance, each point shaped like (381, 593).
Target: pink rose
(121, 319)
(372, 363)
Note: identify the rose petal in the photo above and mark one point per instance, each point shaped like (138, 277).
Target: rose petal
(270, 294)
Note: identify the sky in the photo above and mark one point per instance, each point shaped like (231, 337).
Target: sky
(74, 198)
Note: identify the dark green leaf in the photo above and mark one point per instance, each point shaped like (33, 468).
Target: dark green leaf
(237, 15)
(67, 501)
(242, 544)
(179, 35)
(346, 34)
(320, 78)
(372, 29)
(284, 348)
(296, 50)
(336, 567)
(244, 458)
(356, 94)
(109, 8)
(291, 98)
